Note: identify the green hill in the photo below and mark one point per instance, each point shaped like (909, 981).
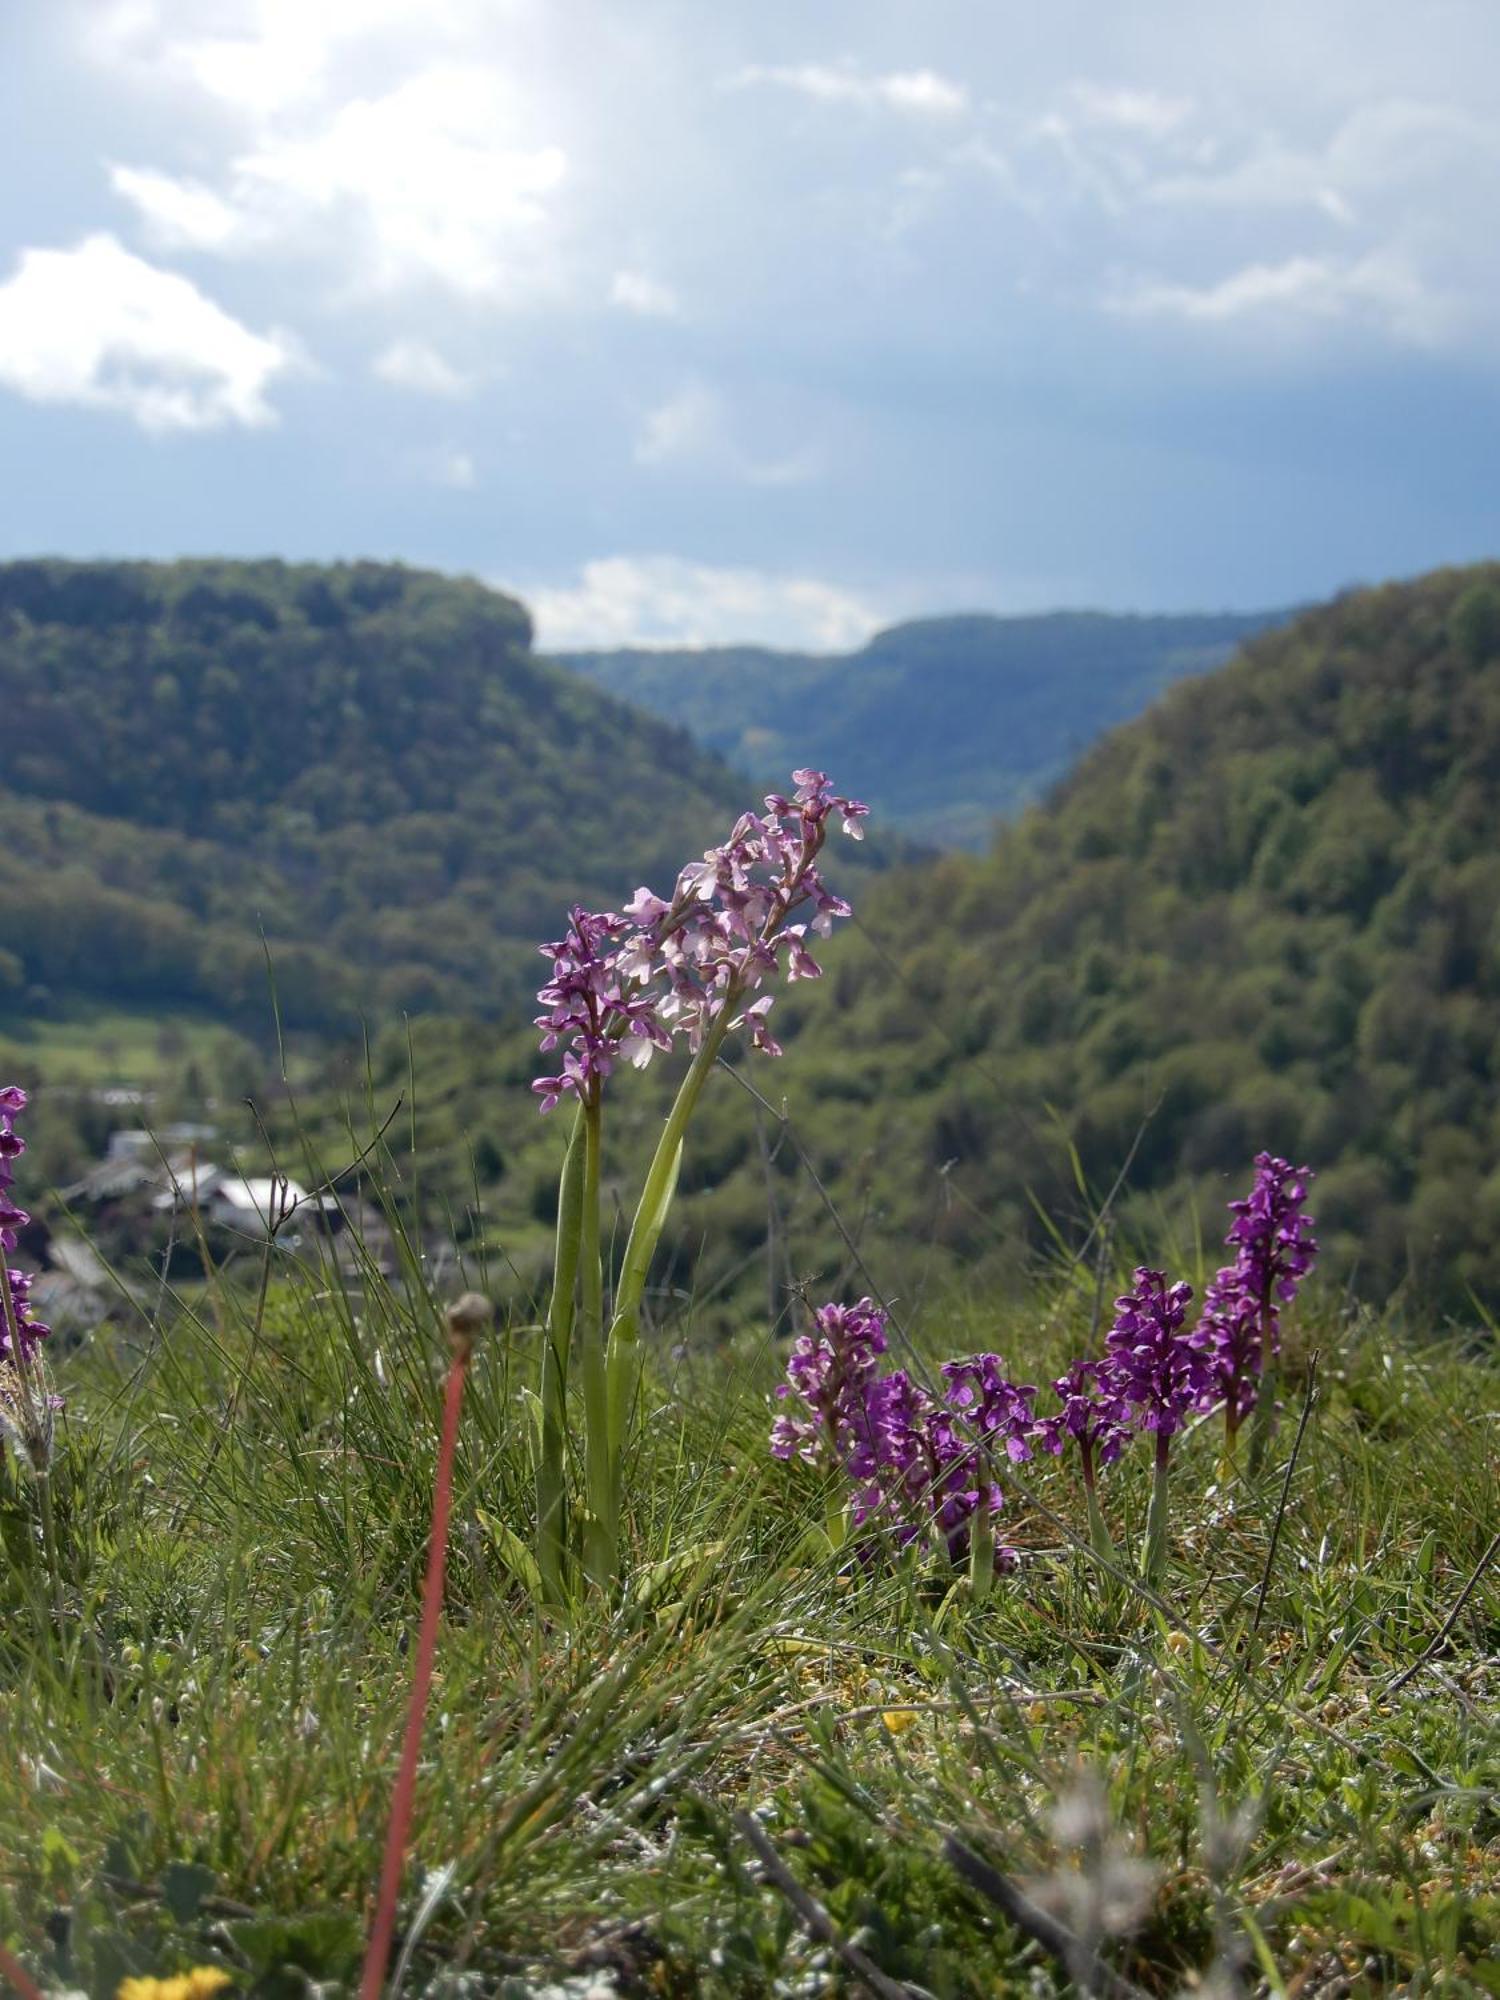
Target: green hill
(1266, 914)
(944, 724)
(365, 762)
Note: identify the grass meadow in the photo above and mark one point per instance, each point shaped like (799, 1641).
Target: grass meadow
(768, 1764)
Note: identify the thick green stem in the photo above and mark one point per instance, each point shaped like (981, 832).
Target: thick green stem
(645, 1231)
(601, 1498)
(1099, 1534)
(552, 1440)
(1263, 1423)
(981, 1551)
(1156, 1521)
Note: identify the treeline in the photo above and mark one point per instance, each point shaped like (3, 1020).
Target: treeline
(364, 765)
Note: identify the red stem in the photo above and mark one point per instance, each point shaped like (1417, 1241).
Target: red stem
(19, 1977)
(378, 1952)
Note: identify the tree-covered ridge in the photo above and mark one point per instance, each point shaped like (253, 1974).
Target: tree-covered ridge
(1265, 914)
(944, 724)
(364, 761)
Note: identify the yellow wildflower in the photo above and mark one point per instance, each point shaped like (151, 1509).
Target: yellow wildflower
(202, 1983)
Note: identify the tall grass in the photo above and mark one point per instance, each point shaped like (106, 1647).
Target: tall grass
(196, 1761)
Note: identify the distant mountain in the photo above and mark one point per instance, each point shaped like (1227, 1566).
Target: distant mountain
(944, 724)
(365, 762)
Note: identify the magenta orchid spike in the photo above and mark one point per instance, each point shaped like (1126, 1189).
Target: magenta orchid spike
(624, 986)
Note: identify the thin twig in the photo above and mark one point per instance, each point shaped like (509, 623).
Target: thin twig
(1286, 1487)
(1087, 1971)
(1434, 1646)
(815, 1919)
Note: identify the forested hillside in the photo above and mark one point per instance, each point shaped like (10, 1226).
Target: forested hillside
(944, 724)
(1267, 914)
(365, 762)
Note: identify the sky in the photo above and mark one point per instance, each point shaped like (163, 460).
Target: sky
(696, 321)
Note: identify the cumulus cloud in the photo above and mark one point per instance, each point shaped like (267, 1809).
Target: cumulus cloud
(921, 92)
(635, 292)
(665, 601)
(413, 365)
(416, 185)
(100, 327)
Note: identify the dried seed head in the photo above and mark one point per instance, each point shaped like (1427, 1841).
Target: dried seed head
(468, 1318)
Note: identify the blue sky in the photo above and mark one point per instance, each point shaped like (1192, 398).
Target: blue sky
(759, 319)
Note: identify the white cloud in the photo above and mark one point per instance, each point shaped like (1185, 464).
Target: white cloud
(412, 364)
(418, 185)
(262, 57)
(1373, 218)
(635, 292)
(179, 214)
(1304, 291)
(100, 327)
(1394, 151)
(693, 430)
(922, 92)
(667, 601)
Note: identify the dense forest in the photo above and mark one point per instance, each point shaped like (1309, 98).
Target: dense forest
(944, 724)
(1266, 914)
(365, 763)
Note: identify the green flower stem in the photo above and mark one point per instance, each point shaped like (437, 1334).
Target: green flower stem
(1156, 1520)
(1099, 1534)
(601, 1500)
(551, 1467)
(645, 1231)
(981, 1552)
(1263, 1422)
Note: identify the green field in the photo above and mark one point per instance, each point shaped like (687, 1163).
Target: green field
(1285, 1764)
(96, 1047)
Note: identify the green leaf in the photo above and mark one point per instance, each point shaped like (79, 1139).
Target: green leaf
(184, 1884)
(513, 1552)
(657, 1577)
(60, 1859)
(322, 1943)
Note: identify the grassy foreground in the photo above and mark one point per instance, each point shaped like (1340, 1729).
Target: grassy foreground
(1245, 1774)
